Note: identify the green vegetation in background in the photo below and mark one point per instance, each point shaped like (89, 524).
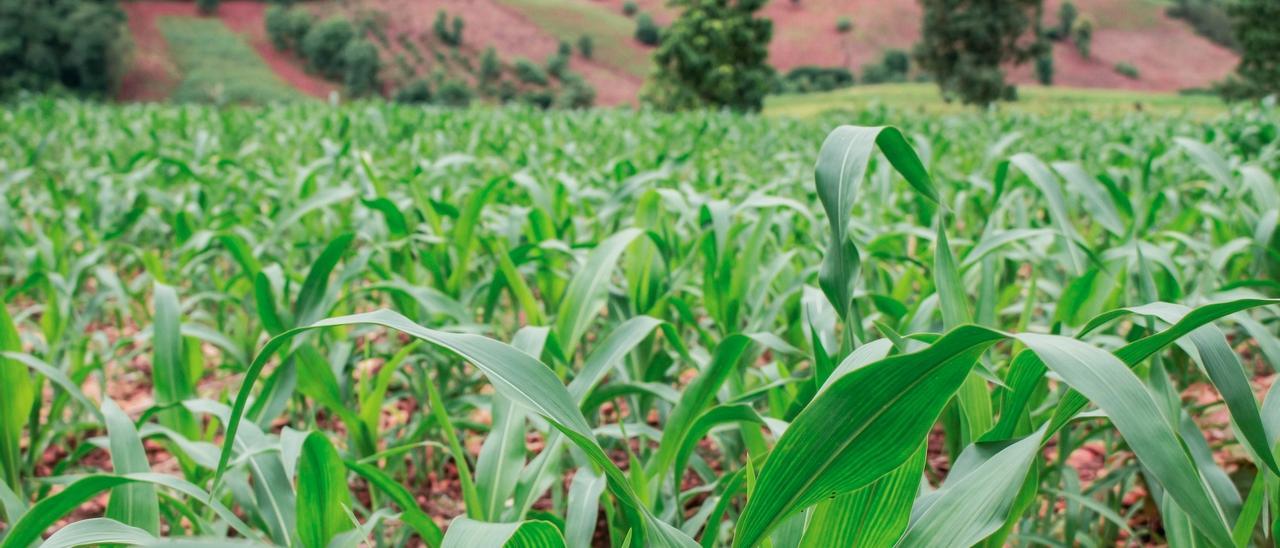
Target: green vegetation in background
(611, 32)
(967, 46)
(925, 98)
(79, 46)
(714, 55)
(217, 65)
(1256, 29)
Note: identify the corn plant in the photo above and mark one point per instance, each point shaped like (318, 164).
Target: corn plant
(374, 324)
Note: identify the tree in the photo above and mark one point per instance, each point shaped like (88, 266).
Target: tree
(416, 92)
(1067, 13)
(647, 32)
(1259, 36)
(967, 43)
(585, 45)
(360, 67)
(714, 55)
(1044, 68)
(77, 45)
(1082, 34)
(323, 45)
(490, 66)
(207, 7)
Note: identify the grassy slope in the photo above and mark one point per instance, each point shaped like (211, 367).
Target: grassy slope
(611, 32)
(925, 98)
(218, 66)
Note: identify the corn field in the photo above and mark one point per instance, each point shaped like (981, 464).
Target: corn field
(313, 326)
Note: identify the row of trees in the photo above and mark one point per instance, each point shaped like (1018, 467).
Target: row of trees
(716, 53)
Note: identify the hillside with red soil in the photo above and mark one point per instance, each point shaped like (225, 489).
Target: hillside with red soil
(1168, 55)
(153, 75)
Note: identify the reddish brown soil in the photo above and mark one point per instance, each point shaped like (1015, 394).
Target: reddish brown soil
(153, 74)
(489, 23)
(1168, 54)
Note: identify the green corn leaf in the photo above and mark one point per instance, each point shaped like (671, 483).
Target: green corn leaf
(587, 289)
(583, 506)
(172, 377)
(1098, 202)
(842, 164)
(309, 305)
(98, 531)
(515, 375)
(323, 496)
(53, 508)
(15, 406)
(697, 397)
(875, 515)
(1227, 374)
(469, 533)
(1047, 184)
(897, 400)
(977, 497)
(817, 459)
(134, 504)
(974, 400)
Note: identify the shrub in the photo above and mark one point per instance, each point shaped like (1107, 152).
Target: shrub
(807, 79)
(360, 65)
(530, 73)
(443, 31)
(576, 93)
(415, 92)
(844, 24)
(1082, 34)
(297, 25)
(876, 73)
(630, 8)
(1044, 68)
(323, 45)
(896, 61)
(454, 93)
(407, 71)
(1127, 70)
(490, 66)
(564, 48)
(1067, 14)
(207, 7)
(276, 22)
(586, 46)
(647, 31)
(893, 67)
(507, 91)
(557, 65)
(541, 98)
(441, 26)
(456, 34)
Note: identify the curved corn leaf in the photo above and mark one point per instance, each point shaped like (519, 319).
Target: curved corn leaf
(97, 531)
(323, 497)
(468, 533)
(134, 504)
